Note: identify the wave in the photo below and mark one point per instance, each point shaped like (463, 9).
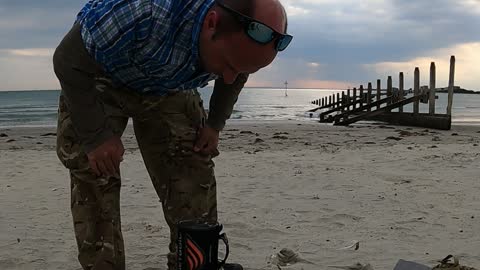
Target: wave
(20, 111)
(28, 114)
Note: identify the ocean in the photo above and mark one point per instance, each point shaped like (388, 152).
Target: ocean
(39, 108)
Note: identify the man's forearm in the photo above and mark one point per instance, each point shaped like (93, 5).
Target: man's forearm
(223, 99)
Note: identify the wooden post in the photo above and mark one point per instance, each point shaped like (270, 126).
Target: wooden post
(389, 88)
(431, 100)
(354, 98)
(348, 99)
(343, 101)
(361, 96)
(451, 85)
(334, 101)
(379, 92)
(400, 90)
(338, 100)
(369, 96)
(416, 91)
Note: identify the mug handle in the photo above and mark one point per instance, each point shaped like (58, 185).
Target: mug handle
(224, 238)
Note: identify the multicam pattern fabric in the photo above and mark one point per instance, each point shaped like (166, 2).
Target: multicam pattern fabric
(184, 180)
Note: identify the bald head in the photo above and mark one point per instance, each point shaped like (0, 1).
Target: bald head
(270, 12)
(227, 45)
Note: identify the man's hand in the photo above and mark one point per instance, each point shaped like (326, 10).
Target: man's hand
(207, 141)
(105, 159)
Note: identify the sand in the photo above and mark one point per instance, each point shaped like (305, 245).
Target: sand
(404, 193)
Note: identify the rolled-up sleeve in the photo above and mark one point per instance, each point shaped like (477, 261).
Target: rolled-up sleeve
(222, 101)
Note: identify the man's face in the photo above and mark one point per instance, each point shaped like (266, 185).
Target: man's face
(237, 53)
(228, 54)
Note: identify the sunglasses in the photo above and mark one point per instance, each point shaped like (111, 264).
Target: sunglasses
(258, 31)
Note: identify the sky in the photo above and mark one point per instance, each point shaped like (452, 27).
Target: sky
(337, 44)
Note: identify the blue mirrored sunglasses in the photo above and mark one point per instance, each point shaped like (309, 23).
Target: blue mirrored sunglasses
(258, 31)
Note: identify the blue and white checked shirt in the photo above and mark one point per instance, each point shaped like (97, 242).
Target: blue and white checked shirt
(150, 46)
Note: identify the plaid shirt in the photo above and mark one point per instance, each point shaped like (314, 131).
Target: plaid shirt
(150, 46)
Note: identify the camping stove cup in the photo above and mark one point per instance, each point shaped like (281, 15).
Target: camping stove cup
(197, 245)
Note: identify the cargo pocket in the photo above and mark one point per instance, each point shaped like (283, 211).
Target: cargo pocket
(68, 149)
(195, 111)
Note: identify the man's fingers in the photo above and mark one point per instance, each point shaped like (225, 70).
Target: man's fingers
(121, 151)
(102, 168)
(214, 144)
(110, 166)
(208, 149)
(215, 153)
(200, 144)
(116, 162)
(105, 159)
(94, 167)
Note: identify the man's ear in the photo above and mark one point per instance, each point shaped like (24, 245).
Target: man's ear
(211, 21)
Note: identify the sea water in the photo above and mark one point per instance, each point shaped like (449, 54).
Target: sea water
(39, 108)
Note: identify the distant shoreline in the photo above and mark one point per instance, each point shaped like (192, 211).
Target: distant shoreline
(439, 90)
(247, 87)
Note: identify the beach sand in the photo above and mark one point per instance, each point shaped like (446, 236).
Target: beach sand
(404, 193)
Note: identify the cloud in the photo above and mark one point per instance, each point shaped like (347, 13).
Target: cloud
(349, 31)
(37, 52)
(29, 23)
(336, 42)
(466, 71)
(472, 5)
(27, 69)
(286, 69)
(293, 11)
(319, 84)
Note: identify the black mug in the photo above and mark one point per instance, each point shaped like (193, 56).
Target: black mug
(197, 245)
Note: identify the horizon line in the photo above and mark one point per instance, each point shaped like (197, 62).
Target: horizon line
(246, 87)
(266, 87)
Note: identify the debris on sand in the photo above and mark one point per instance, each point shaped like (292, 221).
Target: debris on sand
(355, 245)
(451, 263)
(49, 134)
(357, 266)
(286, 257)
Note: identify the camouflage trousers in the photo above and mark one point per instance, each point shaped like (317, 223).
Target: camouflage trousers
(165, 128)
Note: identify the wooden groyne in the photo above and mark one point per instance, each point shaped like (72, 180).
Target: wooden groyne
(368, 104)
